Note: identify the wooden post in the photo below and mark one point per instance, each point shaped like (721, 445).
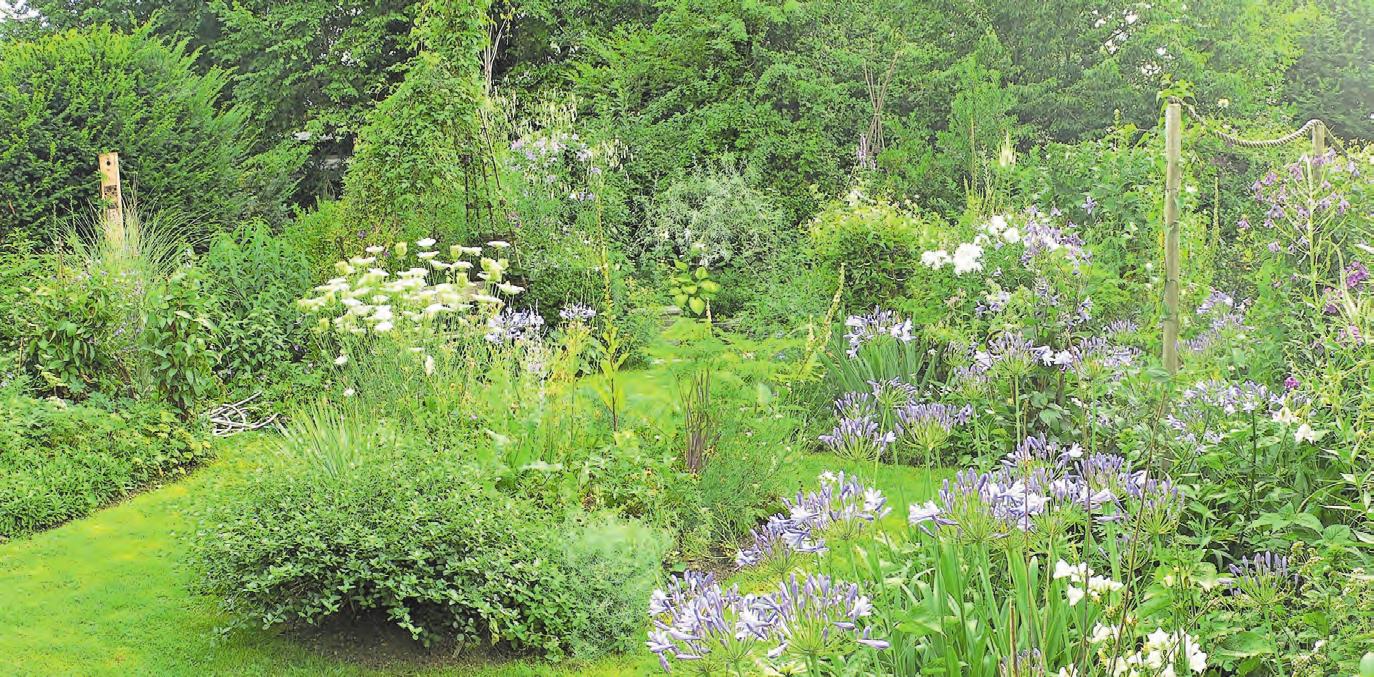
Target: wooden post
(113, 198)
(1173, 176)
(1318, 139)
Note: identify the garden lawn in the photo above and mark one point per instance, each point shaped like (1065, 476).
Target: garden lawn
(110, 594)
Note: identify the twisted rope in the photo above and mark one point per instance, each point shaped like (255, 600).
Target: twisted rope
(1299, 133)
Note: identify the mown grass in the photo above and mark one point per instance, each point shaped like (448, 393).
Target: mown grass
(112, 594)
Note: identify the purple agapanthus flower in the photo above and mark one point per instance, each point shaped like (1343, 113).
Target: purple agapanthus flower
(880, 323)
(577, 312)
(514, 326)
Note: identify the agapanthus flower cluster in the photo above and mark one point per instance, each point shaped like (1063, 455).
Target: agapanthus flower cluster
(577, 312)
(1042, 478)
(373, 294)
(880, 323)
(1223, 315)
(818, 617)
(858, 437)
(841, 506)
(1262, 579)
(929, 424)
(1099, 351)
(697, 622)
(514, 326)
(1015, 354)
(1202, 413)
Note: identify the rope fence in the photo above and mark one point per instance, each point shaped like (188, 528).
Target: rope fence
(1302, 132)
(1313, 129)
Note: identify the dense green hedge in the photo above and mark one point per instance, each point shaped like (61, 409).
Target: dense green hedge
(61, 461)
(69, 96)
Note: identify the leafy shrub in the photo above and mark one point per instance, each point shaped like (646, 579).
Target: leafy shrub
(878, 243)
(255, 280)
(616, 564)
(60, 461)
(713, 218)
(790, 288)
(640, 322)
(558, 275)
(375, 523)
(175, 339)
(65, 335)
(419, 159)
(67, 97)
(323, 235)
(20, 271)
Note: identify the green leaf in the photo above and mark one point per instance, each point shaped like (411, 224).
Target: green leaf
(1246, 644)
(698, 305)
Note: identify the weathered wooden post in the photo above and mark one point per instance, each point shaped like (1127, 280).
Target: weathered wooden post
(1318, 139)
(1173, 176)
(113, 198)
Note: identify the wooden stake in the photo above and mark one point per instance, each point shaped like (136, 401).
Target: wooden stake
(1318, 139)
(113, 198)
(1173, 176)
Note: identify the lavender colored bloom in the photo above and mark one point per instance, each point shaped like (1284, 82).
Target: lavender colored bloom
(577, 312)
(893, 392)
(1089, 204)
(841, 506)
(866, 328)
(1117, 327)
(859, 437)
(694, 619)
(1042, 478)
(1260, 570)
(514, 326)
(1291, 383)
(1355, 274)
(945, 416)
(819, 616)
(855, 405)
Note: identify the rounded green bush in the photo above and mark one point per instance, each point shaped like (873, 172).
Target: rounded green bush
(878, 243)
(67, 97)
(355, 520)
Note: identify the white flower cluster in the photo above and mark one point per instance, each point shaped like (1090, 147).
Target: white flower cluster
(366, 297)
(1159, 656)
(1088, 584)
(968, 256)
